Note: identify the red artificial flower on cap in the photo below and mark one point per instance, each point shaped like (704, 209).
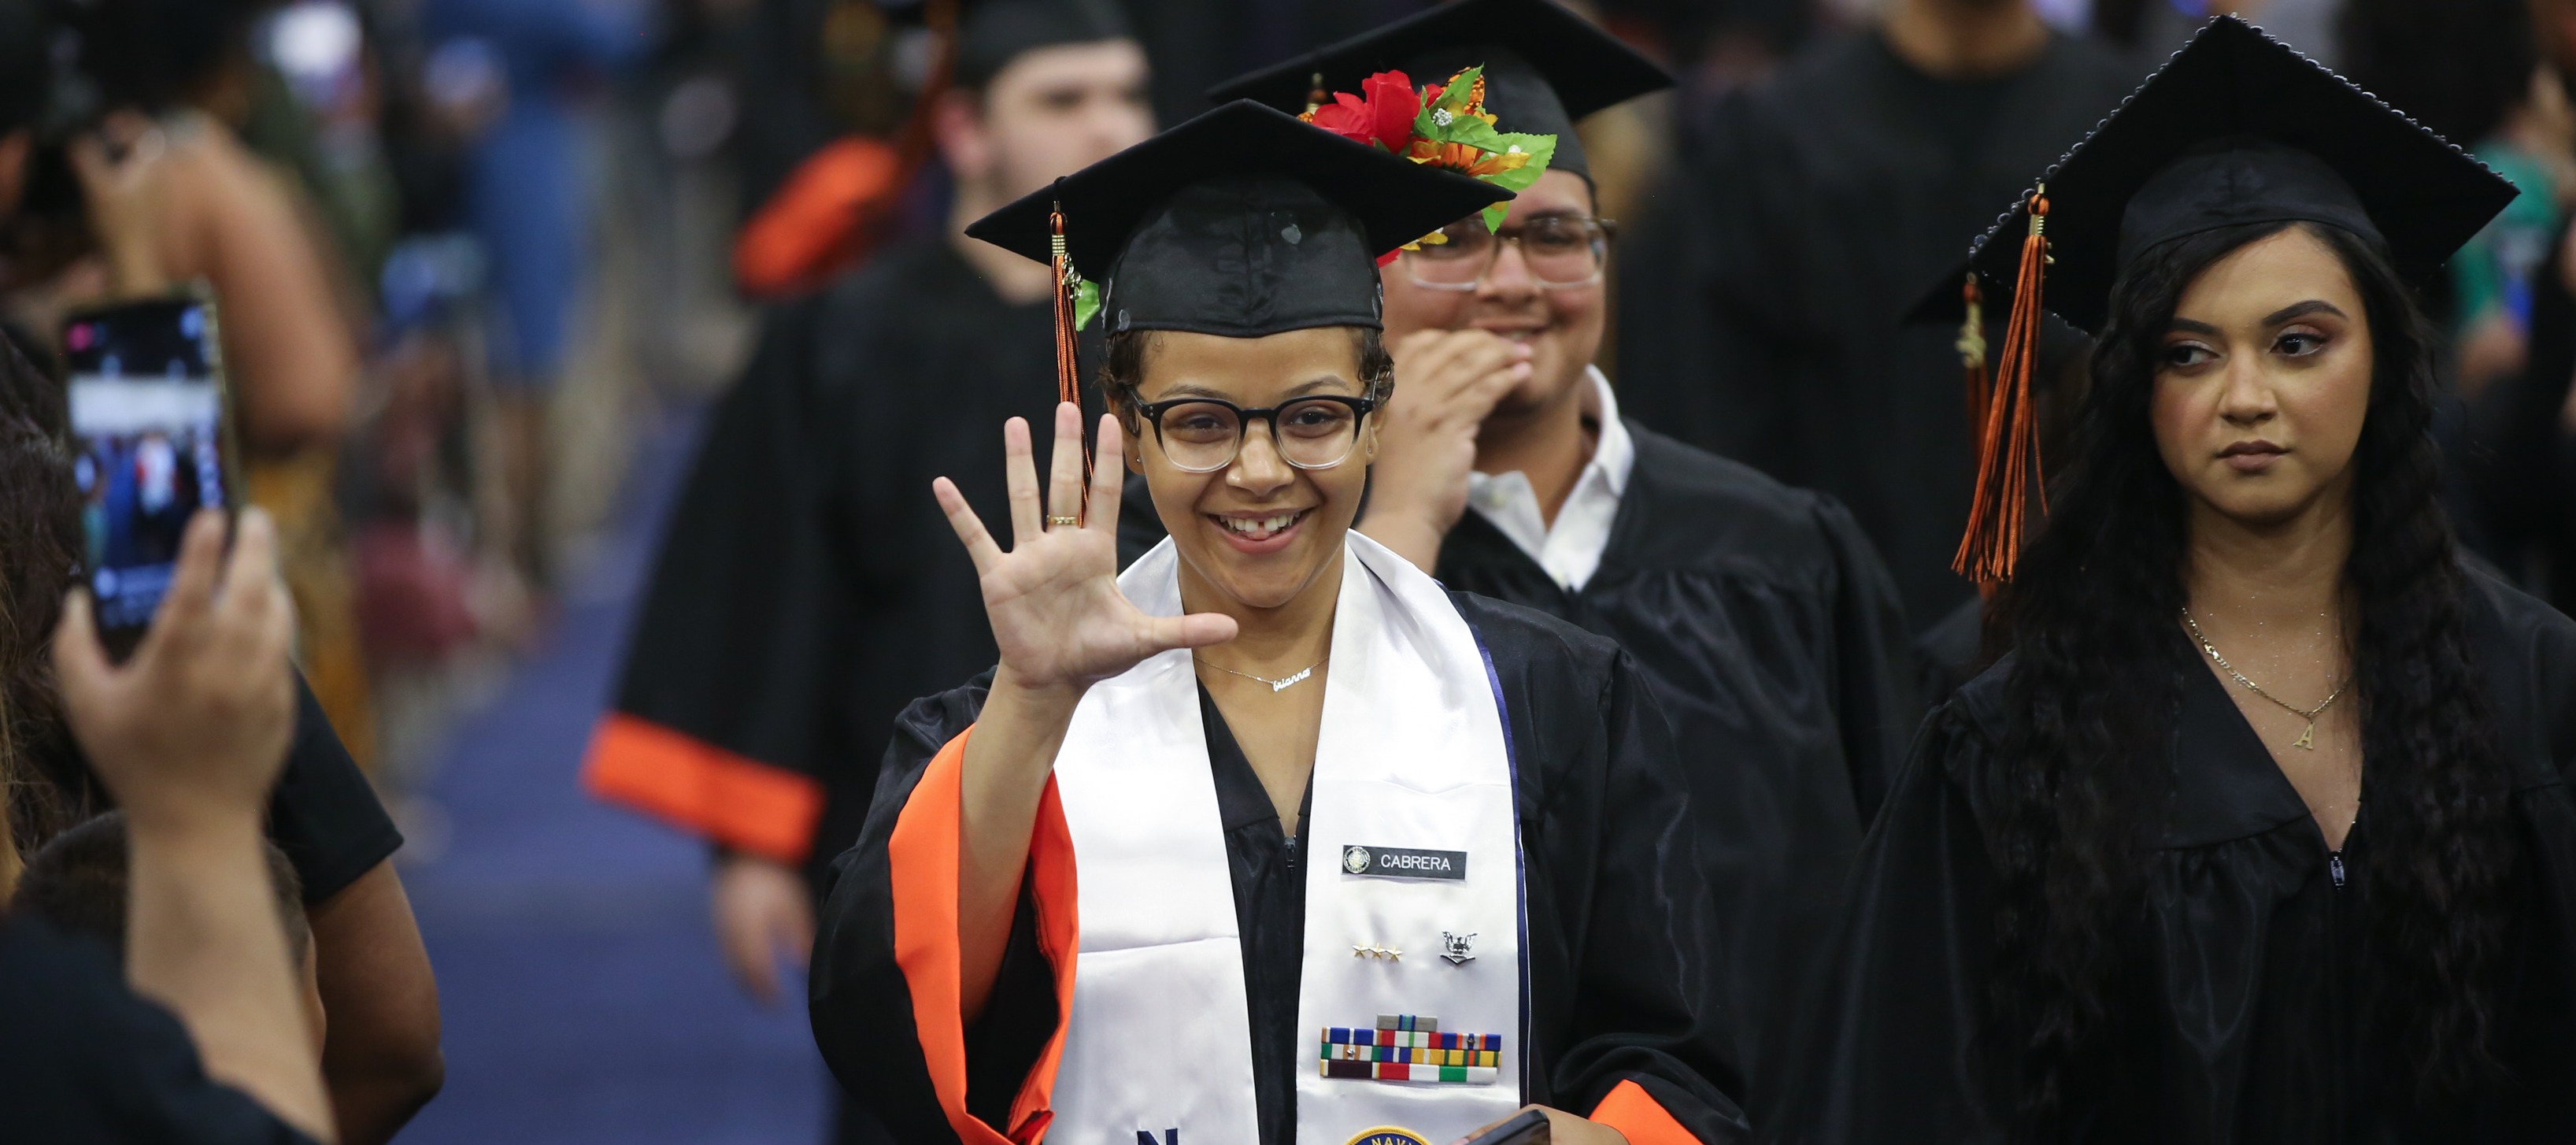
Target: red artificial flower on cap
(1381, 114)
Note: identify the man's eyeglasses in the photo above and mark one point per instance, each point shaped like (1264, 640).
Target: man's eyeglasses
(1564, 252)
(1203, 435)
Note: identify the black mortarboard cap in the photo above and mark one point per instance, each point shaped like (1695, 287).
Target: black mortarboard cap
(2239, 127)
(1243, 222)
(1545, 66)
(995, 32)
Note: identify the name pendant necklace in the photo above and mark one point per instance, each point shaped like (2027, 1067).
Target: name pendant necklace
(2307, 739)
(1281, 684)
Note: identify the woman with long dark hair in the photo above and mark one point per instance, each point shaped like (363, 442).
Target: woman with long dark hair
(2260, 831)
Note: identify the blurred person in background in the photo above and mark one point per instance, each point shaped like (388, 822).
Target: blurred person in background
(381, 1056)
(783, 632)
(2474, 71)
(165, 193)
(203, 1038)
(512, 73)
(2151, 30)
(1766, 323)
(1767, 623)
(2522, 460)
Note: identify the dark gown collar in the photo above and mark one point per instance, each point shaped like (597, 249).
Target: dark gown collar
(2226, 785)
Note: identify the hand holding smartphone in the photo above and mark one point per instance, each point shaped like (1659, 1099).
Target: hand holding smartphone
(150, 419)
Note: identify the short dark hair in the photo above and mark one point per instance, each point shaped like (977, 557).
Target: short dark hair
(1122, 368)
(79, 882)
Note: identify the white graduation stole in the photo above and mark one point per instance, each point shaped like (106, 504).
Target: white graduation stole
(1413, 785)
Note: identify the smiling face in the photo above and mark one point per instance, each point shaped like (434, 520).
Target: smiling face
(1561, 325)
(1259, 532)
(2264, 380)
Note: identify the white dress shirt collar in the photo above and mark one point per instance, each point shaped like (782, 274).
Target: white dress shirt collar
(1570, 550)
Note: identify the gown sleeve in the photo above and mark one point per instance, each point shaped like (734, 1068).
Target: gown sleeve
(884, 992)
(1900, 993)
(1623, 1026)
(1873, 658)
(713, 726)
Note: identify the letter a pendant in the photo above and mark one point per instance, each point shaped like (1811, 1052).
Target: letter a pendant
(2307, 739)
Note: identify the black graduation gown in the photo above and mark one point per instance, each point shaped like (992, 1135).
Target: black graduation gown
(2245, 963)
(808, 586)
(1773, 636)
(1616, 929)
(1763, 304)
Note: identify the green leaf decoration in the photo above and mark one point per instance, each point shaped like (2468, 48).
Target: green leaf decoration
(1454, 97)
(1086, 301)
(1493, 215)
(1540, 148)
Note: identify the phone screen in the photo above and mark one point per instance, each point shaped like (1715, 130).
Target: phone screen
(147, 412)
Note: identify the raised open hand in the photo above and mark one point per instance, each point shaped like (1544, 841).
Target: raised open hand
(1053, 599)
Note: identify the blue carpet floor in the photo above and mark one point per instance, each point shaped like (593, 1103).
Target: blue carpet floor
(584, 998)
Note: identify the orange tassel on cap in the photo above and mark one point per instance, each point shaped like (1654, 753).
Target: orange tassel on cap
(2008, 442)
(1068, 368)
(1972, 351)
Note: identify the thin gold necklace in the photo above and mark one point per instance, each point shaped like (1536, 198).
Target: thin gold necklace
(2307, 739)
(1279, 685)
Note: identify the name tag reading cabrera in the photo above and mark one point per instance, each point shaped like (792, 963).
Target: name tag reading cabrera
(1403, 862)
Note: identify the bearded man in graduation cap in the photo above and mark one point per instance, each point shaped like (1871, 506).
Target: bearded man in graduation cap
(1765, 619)
(1269, 839)
(805, 591)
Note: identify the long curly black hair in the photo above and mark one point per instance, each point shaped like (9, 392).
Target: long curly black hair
(2082, 777)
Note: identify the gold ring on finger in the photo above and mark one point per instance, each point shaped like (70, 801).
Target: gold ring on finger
(1054, 520)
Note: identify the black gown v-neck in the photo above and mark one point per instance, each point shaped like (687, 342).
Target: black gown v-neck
(2245, 976)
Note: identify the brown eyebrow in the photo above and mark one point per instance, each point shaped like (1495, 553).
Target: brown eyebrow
(2301, 310)
(2188, 326)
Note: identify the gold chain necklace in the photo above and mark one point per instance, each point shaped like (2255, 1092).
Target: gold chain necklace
(2307, 739)
(1279, 685)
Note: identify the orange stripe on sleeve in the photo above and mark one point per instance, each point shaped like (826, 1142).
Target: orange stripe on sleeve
(1640, 1118)
(921, 858)
(733, 799)
(817, 222)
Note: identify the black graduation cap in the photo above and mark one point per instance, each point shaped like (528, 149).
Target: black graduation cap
(1545, 66)
(995, 32)
(1243, 222)
(2238, 127)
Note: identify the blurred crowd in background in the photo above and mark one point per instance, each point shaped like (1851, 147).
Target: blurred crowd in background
(463, 246)
(469, 251)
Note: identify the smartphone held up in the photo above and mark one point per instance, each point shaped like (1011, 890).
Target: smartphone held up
(151, 424)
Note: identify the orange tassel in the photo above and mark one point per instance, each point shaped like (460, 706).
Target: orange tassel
(2008, 445)
(1972, 355)
(1068, 368)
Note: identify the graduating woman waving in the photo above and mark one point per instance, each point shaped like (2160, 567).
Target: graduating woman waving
(1082, 907)
(2262, 832)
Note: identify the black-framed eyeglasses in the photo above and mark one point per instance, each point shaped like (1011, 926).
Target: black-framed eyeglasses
(1564, 252)
(1203, 435)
